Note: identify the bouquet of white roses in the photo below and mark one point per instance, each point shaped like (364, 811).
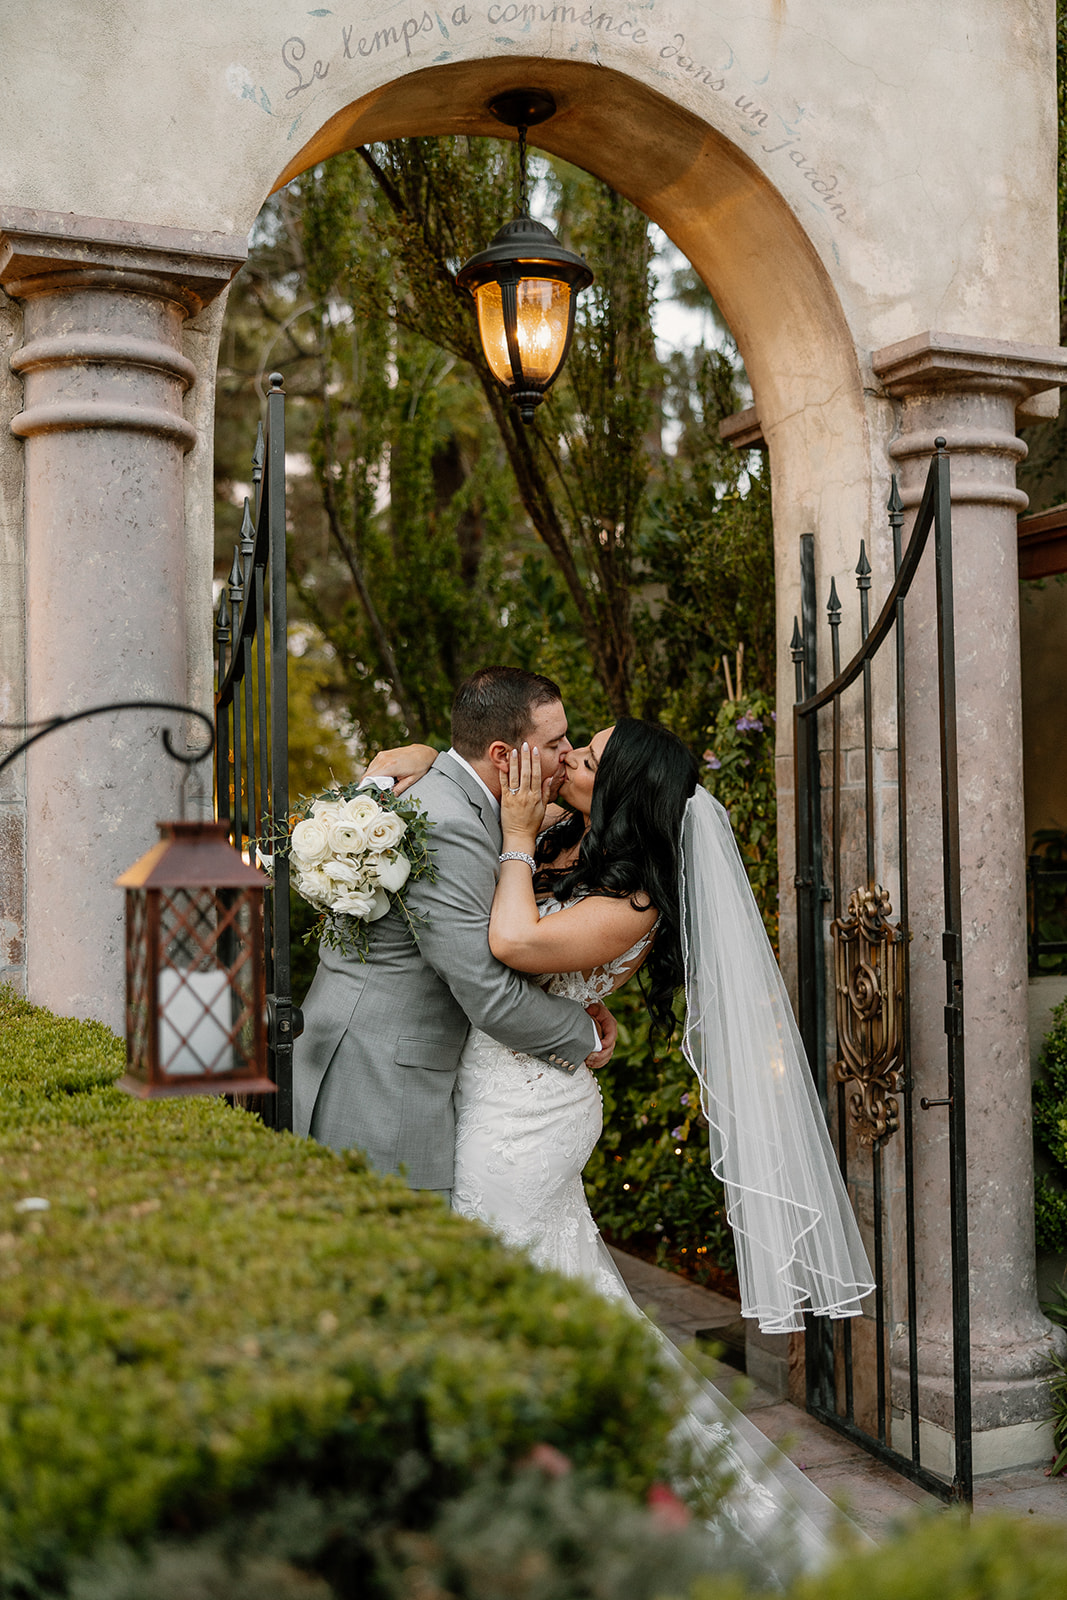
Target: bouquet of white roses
(352, 853)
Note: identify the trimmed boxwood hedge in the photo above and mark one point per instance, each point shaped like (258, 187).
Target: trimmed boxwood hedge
(208, 1313)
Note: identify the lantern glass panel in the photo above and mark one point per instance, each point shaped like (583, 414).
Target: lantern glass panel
(490, 303)
(543, 314)
(205, 990)
(543, 318)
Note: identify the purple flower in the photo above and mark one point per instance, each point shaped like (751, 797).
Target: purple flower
(774, 716)
(685, 1099)
(676, 1133)
(749, 724)
(712, 760)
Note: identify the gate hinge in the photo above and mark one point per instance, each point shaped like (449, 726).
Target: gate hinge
(951, 946)
(954, 1022)
(285, 1022)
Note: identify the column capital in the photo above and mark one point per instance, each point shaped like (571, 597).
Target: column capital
(42, 251)
(929, 362)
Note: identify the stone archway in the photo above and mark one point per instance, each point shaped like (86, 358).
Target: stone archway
(844, 184)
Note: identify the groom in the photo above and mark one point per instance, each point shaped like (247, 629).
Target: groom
(377, 1061)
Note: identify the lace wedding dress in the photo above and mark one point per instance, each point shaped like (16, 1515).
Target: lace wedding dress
(524, 1132)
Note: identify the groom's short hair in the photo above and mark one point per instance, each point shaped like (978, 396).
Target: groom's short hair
(497, 703)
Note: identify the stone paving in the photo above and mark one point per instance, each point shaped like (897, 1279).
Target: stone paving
(874, 1496)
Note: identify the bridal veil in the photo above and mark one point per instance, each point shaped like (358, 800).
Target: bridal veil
(798, 1245)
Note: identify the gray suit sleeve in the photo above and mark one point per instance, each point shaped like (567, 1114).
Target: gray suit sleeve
(454, 941)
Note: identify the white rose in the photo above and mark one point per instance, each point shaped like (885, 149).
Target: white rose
(315, 887)
(360, 810)
(343, 872)
(393, 872)
(326, 810)
(309, 842)
(386, 832)
(355, 902)
(347, 838)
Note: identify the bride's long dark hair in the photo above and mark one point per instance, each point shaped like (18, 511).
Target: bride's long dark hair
(631, 850)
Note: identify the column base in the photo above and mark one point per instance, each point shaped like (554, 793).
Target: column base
(1023, 1444)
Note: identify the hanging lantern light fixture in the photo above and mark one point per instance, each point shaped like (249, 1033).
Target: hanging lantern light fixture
(524, 285)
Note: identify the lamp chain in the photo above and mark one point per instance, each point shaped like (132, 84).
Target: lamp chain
(524, 198)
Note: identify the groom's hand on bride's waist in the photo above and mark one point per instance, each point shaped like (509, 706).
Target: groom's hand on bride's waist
(608, 1029)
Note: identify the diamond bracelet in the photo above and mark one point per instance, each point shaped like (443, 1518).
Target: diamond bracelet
(519, 855)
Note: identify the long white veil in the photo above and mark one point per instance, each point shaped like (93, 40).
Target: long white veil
(798, 1245)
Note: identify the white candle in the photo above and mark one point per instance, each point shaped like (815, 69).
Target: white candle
(194, 1022)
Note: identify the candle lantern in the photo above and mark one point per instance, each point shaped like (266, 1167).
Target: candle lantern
(195, 986)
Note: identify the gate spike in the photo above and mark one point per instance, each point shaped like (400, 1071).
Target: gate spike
(258, 456)
(236, 579)
(863, 568)
(895, 507)
(248, 532)
(833, 605)
(796, 643)
(222, 617)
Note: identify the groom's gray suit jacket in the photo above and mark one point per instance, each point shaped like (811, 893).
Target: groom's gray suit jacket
(376, 1064)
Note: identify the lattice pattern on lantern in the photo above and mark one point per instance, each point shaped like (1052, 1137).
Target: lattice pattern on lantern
(194, 967)
(205, 1011)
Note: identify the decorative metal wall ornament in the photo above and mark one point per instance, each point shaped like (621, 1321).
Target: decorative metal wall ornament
(869, 984)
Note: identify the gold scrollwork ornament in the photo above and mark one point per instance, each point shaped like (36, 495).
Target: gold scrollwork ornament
(869, 985)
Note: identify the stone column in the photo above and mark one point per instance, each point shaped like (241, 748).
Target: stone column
(967, 390)
(104, 305)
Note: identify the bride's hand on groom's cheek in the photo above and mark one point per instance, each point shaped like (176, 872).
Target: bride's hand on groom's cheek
(608, 1030)
(524, 797)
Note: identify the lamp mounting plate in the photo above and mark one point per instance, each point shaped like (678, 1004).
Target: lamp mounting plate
(523, 108)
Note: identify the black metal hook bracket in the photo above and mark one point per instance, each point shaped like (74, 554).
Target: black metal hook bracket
(40, 730)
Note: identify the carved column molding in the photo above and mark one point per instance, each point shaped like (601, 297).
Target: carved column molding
(104, 375)
(967, 390)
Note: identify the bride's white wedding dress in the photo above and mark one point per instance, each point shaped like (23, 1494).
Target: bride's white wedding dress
(524, 1132)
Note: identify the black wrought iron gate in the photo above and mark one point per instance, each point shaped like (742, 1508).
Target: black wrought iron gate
(862, 1056)
(251, 724)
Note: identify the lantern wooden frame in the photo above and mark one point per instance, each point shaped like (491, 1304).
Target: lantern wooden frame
(195, 976)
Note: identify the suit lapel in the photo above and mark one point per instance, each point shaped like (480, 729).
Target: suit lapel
(451, 769)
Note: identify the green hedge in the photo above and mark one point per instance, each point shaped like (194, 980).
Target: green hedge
(208, 1313)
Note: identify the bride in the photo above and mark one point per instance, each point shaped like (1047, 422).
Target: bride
(642, 874)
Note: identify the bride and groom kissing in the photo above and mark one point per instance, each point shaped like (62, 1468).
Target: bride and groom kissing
(467, 1059)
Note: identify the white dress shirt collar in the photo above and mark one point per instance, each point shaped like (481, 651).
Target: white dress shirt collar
(479, 780)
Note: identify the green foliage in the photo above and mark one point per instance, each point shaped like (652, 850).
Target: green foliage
(319, 754)
(539, 1535)
(548, 1540)
(709, 554)
(545, 1537)
(1049, 845)
(649, 1180)
(950, 1557)
(1056, 1311)
(208, 1313)
(740, 774)
(1050, 1136)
